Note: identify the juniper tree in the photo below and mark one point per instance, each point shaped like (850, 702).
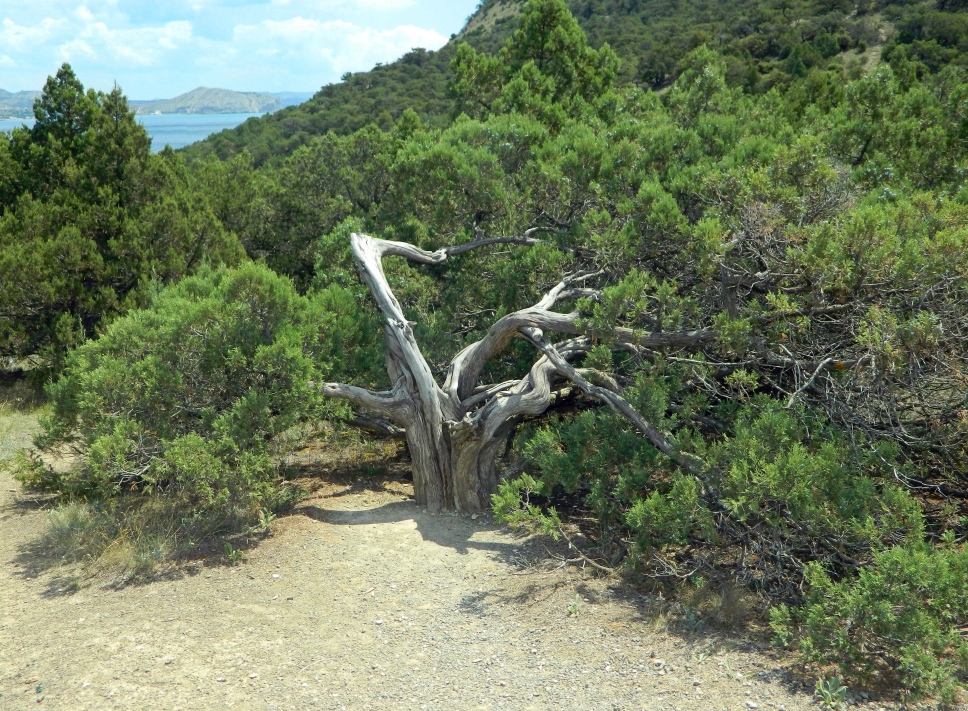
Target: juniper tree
(88, 217)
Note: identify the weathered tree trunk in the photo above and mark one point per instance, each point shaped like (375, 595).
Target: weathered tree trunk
(473, 456)
(458, 472)
(455, 431)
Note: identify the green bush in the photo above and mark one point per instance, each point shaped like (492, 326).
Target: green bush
(88, 218)
(777, 470)
(898, 619)
(800, 507)
(189, 396)
(806, 484)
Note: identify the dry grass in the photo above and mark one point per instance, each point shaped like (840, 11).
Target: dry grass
(134, 536)
(728, 607)
(20, 410)
(77, 532)
(486, 20)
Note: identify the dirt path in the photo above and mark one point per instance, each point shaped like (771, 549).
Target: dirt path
(359, 601)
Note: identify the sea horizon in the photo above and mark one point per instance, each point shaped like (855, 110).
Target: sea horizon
(175, 130)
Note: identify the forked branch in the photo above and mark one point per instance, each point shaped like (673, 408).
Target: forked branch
(691, 463)
(454, 432)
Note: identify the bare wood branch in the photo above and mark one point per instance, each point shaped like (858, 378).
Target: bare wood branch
(485, 241)
(422, 256)
(691, 463)
(582, 558)
(467, 365)
(813, 378)
(483, 394)
(393, 405)
(663, 339)
(378, 427)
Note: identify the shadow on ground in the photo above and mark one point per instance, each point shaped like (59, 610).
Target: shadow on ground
(327, 478)
(447, 530)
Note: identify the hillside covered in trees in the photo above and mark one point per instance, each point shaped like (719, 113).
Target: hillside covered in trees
(704, 284)
(764, 44)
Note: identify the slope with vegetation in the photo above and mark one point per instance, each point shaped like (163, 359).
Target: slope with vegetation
(725, 321)
(88, 218)
(764, 44)
(417, 81)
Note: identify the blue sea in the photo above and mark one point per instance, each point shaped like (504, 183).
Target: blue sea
(175, 130)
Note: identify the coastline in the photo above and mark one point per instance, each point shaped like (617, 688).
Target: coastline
(175, 130)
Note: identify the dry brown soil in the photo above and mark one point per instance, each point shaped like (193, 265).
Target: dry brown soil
(360, 600)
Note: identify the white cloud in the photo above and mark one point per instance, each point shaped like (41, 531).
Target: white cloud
(71, 51)
(6, 61)
(385, 4)
(342, 46)
(297, 29)
(19, 37)
(144, 46)
(92, 40)
(201, 5)
(315, 6)
(368, 46)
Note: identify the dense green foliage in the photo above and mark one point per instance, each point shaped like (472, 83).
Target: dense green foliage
(764, 44)
(899, 619)
(418, 81)
(189, 396)
(783, 230)
(546, 70)
(88, 217)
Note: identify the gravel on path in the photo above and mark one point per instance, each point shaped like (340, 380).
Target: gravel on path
(359, 600)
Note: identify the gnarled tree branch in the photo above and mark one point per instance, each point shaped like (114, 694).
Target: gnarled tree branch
(691, 463)
(455, 432)
(393, 405)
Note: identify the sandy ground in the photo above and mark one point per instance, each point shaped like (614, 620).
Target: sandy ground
(360, 600)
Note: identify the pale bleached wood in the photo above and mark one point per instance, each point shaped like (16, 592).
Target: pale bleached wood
(455, 432)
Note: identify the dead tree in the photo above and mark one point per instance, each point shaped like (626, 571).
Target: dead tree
(455, 430)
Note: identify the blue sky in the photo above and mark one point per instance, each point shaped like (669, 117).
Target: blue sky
(162, 48)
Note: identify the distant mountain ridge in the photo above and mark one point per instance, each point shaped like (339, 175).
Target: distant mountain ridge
(204, 100)
(18, 104)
